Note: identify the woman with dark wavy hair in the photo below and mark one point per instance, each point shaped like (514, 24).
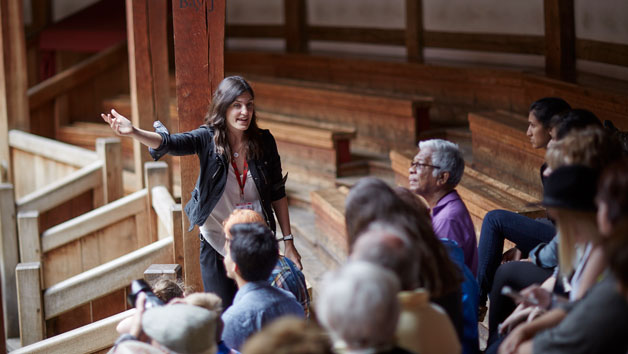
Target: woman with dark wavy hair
(239, 168)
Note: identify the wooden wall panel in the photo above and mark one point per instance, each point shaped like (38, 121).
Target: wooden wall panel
(66, 211)
(70, 320)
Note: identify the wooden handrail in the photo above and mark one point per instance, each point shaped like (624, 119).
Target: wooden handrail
(92, 221)
(105, 278)
(51, 149)
(86, 339)
(64, 81)
(62, 190)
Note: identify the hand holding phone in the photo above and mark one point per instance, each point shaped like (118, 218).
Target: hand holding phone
(515, 295)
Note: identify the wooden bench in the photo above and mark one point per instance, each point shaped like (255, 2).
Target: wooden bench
(502, 149)
(479, 192)
(310, 151)
(383, 121)
(329, 210)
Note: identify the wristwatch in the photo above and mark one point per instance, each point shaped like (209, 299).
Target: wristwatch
(288, 237)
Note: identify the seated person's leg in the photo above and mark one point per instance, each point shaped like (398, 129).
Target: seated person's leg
(497, 226)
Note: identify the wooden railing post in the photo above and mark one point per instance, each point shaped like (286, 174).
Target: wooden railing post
(155, 174)
(414, 31)
(167, 271)
(9, 257)
(295, 29)
(177, 235)
(28, 235)
(29, 291)
(110, 152)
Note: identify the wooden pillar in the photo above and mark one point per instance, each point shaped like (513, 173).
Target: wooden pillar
(560, 39)
(14, 113)
(148, 72)
(414, 31)
(199, 66)
(110, 152)
(177, 235)
(9, 256)
(295, 14)
(30, 302)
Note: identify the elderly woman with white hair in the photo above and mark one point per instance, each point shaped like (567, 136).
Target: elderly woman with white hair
(434, 174)
(358, 305)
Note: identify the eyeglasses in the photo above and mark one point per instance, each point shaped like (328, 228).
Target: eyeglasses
(418, 165)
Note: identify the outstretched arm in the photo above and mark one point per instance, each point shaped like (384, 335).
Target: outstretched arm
(123, 127)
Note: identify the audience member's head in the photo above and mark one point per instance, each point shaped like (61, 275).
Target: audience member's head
(252, 252)
(591, 147)
(166, 289)
(436, 169)
(241, 216)
(181, 328)
(209, 301)
(576, 119)
(612, 199)
(541, 115)
(373, 200)
(389, 247)
(569, 196)
(289, 335)
(358, 305)
(621, 137)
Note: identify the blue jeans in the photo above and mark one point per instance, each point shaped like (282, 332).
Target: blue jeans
(498, 225)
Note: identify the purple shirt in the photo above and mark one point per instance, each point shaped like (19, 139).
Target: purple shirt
(451, 220)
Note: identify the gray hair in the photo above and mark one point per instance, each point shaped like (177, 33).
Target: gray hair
(447, 157)
(358, 305)
(389, 247)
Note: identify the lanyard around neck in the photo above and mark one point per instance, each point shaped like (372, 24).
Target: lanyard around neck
(241, 182)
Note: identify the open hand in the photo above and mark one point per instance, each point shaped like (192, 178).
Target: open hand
(118, 123)
(291, 252)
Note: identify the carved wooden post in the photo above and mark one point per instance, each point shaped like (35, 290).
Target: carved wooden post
(30, 304)
(295, 14)
(148, 72)
(560, 39)
(9, 258)
(199, 34)
(177, 235)
(414, 30)
(110, 152)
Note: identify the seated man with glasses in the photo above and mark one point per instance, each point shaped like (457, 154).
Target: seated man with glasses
(434, 174)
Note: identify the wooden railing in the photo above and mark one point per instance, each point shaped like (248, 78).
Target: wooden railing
(559, 33)
(94, 255)
(77, 92)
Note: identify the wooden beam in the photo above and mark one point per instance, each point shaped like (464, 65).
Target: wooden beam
(110, 152)
(165, 271)
(177, 236)
(29, 292)
(486, 42)
(295, 15)
(192, 74)
(90, 338)
(3, 341)
(358, 35)
(148, 71)
(414, 31)
(28, 234)
(560, 39)
(9, 257)
(603, 52)
(14, 81)
(255, 31)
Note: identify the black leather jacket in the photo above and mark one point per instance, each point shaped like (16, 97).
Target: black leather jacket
(266, 172)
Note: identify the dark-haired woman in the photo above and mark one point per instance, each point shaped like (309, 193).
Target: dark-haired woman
(499, 225)
(239, 168)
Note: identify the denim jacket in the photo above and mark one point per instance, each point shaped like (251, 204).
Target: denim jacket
(210, 185)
